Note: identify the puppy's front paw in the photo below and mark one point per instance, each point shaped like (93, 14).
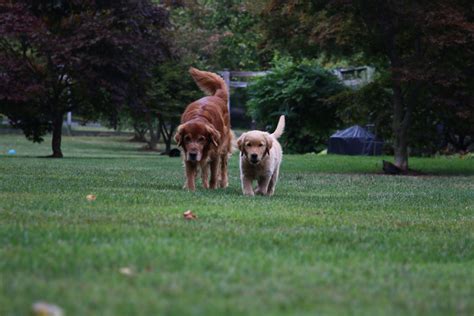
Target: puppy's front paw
(248, 192)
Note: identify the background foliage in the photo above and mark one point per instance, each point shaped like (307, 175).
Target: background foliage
(426, 49)
(301, 91)
(92, 57)
(217, 34)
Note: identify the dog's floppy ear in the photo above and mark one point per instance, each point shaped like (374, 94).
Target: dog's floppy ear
(241, 144)
(179, 137)
(268, 145)
(214, 135)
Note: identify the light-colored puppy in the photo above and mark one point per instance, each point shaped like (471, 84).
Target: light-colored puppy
(260, 158)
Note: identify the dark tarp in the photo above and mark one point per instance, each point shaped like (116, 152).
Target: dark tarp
(354, 140)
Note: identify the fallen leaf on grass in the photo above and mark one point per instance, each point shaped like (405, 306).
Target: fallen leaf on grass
(189, 215)
(46, 309)
(126, 271)
(91, 197)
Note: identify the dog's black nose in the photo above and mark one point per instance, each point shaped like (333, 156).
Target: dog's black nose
(192, 156)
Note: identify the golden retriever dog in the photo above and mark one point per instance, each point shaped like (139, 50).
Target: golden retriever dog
(260, 159)
(204, 133)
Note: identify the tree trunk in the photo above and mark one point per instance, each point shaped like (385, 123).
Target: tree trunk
(401, 112)
(167, 134)
(153, 141)
(160, 127)
(139, 133)
(168, 146)
(401, 156)
(57, 135)
(400, 129)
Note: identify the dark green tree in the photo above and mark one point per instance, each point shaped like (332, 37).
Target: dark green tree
(425, 46)
(301, 91)
(216, 34)
(172, 89)
(90, 57)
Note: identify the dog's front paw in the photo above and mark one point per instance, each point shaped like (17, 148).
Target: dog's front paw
(223, 184)
(189, 188)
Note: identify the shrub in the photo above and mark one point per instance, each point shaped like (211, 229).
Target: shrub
(302, 92)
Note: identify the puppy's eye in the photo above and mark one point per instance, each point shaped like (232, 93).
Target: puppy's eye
(201, 138)
(248, 144)
(187, 138)
(260, 145)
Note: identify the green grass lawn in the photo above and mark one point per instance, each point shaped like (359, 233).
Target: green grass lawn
(337, 238)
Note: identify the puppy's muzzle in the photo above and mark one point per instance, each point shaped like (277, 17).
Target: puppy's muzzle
(254, 158)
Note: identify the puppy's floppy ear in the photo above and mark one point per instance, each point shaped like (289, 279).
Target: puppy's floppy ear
(241, 144)
(268, 145)
(214, 135)
(179, 137)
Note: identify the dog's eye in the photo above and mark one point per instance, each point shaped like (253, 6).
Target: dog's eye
(260, 145)
(201, 138)
(248, 144)
(187, 138)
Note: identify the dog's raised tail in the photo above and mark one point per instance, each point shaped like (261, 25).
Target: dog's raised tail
(210, 83)
(280, 127)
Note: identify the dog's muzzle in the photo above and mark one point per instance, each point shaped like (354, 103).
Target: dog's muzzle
(192, 156)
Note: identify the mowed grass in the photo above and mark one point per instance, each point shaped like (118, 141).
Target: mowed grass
(337, 238)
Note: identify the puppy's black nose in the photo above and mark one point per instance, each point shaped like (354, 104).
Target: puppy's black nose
(254, 158)
(192, 156)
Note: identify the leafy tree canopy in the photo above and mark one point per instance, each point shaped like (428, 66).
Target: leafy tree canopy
(301, 91)
(86, 56)
(215, 34)
(425, 46)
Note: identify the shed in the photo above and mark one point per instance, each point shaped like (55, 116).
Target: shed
(355, 140)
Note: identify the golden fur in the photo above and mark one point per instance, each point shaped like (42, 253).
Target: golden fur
(260, 159)
(204, 133)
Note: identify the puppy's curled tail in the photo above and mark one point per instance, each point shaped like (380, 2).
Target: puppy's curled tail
(280, 127)
(210, 83)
